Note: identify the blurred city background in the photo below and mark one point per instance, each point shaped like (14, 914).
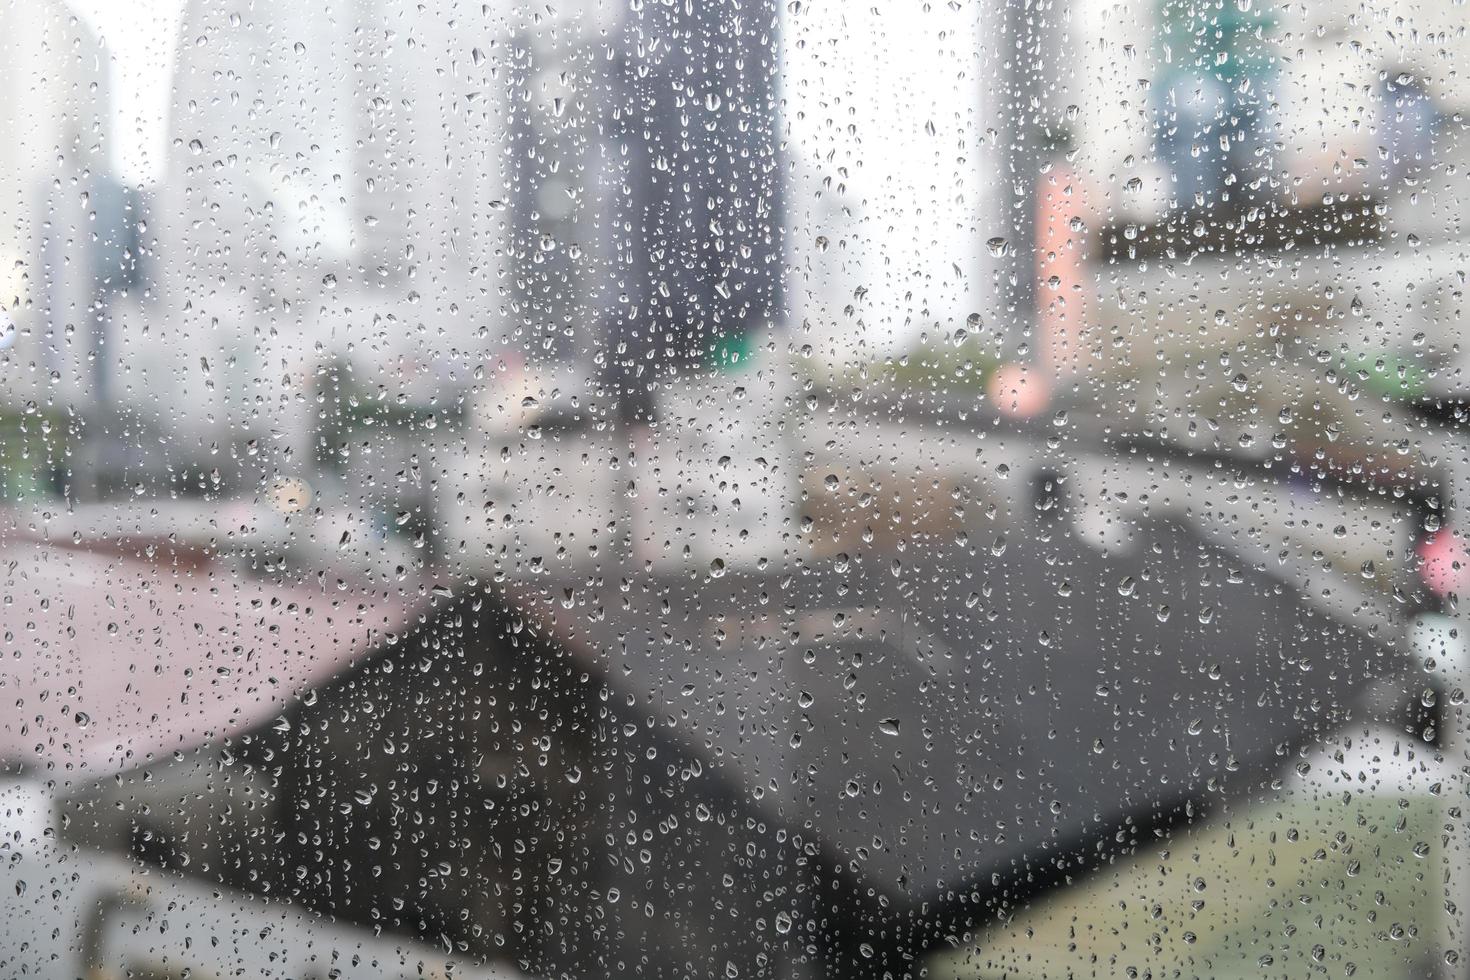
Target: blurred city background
(733, 488)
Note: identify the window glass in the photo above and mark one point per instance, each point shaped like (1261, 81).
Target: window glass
(736, 488)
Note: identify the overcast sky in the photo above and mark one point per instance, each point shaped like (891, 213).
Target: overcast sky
(140, 38)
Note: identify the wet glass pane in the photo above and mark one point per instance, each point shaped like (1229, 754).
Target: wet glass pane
(735, 489)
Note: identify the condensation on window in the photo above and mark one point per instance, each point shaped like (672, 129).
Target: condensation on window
(738, 488)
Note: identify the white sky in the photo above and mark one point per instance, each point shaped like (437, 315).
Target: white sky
(887, 103)
(140, 37)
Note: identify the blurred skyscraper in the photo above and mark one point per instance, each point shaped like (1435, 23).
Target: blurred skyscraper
(334, 197)
(61, 215)
(399, 191)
